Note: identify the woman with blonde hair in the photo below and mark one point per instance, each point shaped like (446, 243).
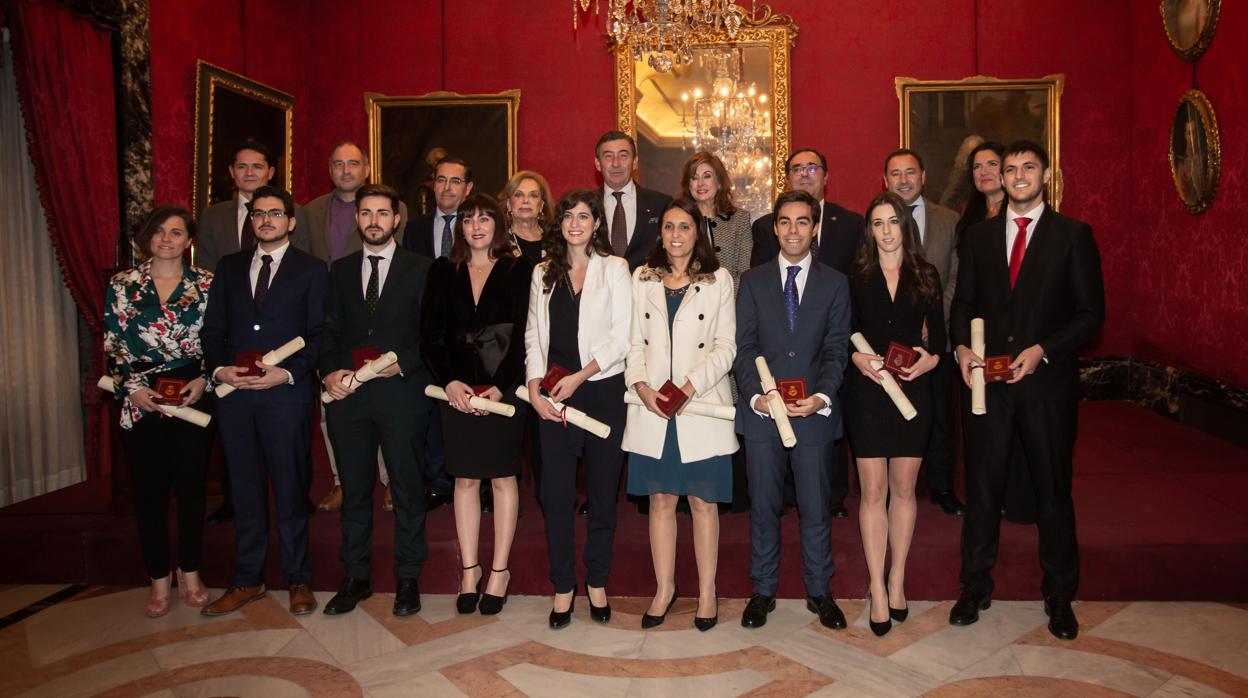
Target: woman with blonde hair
(529, 211)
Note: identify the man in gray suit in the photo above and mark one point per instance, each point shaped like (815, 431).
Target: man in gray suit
(904, 176)
(329, 222)
(222, 228)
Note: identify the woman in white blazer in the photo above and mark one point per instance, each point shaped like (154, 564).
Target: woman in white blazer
(683, 331)
(577, 328)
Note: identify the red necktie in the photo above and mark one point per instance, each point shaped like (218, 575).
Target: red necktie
(1019, 249)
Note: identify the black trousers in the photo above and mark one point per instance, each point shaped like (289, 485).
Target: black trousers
(1046, 430)
(604, 460)
(357, 426)
(168, 454)
(939, 459)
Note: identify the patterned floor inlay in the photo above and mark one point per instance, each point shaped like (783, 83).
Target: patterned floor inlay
(96, 642)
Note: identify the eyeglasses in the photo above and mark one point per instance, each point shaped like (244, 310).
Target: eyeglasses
(455, 181)
(804, 169)
(276, 214)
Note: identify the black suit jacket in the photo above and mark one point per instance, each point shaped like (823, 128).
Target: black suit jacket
(294, 307)
(481, 345)
(838, 244)
(395, 326)
(1058, 301)
(418, 234)
(650, 205)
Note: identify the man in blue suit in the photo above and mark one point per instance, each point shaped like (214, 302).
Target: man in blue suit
(795, 313)
(260, 299)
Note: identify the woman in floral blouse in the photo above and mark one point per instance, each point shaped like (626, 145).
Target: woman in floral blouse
(153, 314)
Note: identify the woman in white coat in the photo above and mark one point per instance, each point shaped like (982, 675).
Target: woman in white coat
(575, 340)
(683, 331)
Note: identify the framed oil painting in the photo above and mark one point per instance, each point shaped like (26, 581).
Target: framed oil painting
(1195, 151)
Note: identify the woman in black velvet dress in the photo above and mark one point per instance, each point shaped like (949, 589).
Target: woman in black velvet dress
(895, 292)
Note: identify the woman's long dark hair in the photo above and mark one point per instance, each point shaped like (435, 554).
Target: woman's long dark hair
(976, 203)
(919, 276)
(704, 260)
(556, 248)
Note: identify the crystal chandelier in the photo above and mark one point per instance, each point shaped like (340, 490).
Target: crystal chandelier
(732, 121)
(664, 29)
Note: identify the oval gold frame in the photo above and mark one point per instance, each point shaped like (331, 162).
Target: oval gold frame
(1201, 199)
(1194, 51)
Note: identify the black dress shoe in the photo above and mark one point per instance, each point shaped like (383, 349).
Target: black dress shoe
(560, 619)
(433, 500)
(755, 613)
(350, 592)
(839, 511)
(966, 610)
(1062, 621)
(829, 613)
(466, 603)
(648, 621)
(492, 605)
(487, 501)
(705, 624)
(407, 598)
(583, 512)
(223, 514)
(949, 503)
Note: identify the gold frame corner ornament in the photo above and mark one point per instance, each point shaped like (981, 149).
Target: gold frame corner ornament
(1212, 171)
(1197, 49)
(208, 78)
(374, 102)
(1053, 85)
(760, 27)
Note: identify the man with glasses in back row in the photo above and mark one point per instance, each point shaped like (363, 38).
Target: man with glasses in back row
(835, 244)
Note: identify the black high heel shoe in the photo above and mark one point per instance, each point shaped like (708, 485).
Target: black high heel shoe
(705, 624)
(897, 614)
(600, 614)
(560, 619)
(649, 621)
(467, 603)
(881, 628)
(491, 604)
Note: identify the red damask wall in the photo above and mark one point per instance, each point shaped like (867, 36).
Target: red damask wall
(1121, 83)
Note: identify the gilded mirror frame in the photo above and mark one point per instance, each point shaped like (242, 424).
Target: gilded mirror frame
(761, 28)
(1203, 39)
(209, 80)
(1196, 194)
(1051, 85)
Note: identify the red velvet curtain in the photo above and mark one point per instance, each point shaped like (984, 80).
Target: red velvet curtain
(64, 68)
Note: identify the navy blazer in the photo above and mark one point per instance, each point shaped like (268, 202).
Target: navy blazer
(817, 351)
(838, 245)
(650, 205)
(295, 307)
(418, 235)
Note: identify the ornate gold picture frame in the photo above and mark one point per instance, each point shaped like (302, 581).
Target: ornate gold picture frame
(1195, 151)
(230, 109)
(943, 120)
(406, 136)
(1189, 25)
(759, 58)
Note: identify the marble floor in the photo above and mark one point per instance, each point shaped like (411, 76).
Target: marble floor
(96, 642)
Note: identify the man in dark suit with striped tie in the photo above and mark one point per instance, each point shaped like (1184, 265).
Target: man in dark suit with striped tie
(632, 211)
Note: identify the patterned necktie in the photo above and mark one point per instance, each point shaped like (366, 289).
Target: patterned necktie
(374, 285)
(1019, 249)
(262, 281)
(247, 236)
(446, 237)
(790, 296)
(619, 226)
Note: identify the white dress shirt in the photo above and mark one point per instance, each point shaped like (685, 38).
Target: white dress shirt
(630, 208)
(243, 218)
(438, 224)
(383, 266)
(800, 282)
(257, 262)
(1011, 228)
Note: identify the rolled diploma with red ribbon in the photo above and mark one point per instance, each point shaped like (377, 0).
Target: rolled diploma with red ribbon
(186, 414)
(366, 373)
(979, 404)
(890, 384)
(571, 415)
(703, 409)
(476, 402)
(775, 404)
(272, 358)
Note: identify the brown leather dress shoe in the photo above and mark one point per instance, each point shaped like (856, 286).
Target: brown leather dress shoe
(302, 602)
(387, 504)
(233, 599)
(332, 501)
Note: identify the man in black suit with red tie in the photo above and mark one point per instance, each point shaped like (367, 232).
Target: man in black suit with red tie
(836, 241)
(1034, 276)
(632, 212)
(261, 299)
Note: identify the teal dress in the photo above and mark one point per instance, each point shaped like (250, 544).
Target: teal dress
(709, 480)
